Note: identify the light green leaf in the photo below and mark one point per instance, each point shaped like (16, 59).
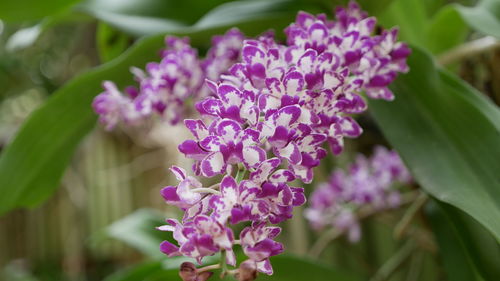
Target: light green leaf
(484, 17)
(449, 136)
(138, 230)
(446, 30)
(436, 29)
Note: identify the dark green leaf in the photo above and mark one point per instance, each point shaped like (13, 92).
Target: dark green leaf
(466, 248)
(484, 17)
(449, 136)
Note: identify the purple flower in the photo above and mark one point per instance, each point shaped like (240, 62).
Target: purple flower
(269, 109)
(199, 238)
(182, 196)
(223, 144)
(114, 107)
(367, 182)
(258, 244)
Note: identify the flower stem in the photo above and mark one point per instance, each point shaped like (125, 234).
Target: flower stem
(393, 263)
(206, 190)
(223, 264)
(208, 268)
(240, 175)
(402, 226)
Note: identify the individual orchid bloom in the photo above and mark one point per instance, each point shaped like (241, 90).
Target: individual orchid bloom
(225, 51)
(164, 86)
(227, 144)
(258, 244)
(199, 238)
(182, 195)
(238, 202)
(368, 182)
(230, 103)
(114, 107)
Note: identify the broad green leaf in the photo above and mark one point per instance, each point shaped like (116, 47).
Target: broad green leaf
(484, 17)
(33, 163)
(468, 251)
(286, 268)
(138, 230)
(28, 10)
(449, 136)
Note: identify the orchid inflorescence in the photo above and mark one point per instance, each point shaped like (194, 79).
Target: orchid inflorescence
(367, 183)
(165, 87)
(268, 112)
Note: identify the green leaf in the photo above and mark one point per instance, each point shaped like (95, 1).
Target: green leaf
(138, 230)
(484, 17)
(286, 268)
(150, 17)
(448, 134)
(33, 163)
(301, 269)
(436, 29)
(144, 271)
(411, 18)
(446, 30)
(28, 10)
(110, 42)
(468, 251)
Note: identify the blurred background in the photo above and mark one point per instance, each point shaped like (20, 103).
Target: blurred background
(101, 219)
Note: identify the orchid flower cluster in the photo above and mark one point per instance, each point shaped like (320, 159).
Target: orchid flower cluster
(264, 125)
(368, 183)
(268, 111)
(165, 86)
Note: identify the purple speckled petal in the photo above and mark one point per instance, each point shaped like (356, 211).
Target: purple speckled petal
(213, 164)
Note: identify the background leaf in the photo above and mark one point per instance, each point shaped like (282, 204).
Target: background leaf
(432, 26)
(138, 230)
(468, 251)
(448, 134)
(484, 17)
(28, 10)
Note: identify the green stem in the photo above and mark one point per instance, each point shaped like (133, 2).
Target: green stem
(240, 175)
(223, 264)
(391, 265)
(402, 226)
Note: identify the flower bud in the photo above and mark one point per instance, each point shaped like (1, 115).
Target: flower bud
(188, 272)
(247, 271)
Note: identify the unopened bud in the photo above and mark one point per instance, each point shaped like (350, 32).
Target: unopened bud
(247, 271)
(188, 272)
